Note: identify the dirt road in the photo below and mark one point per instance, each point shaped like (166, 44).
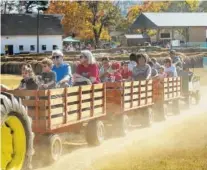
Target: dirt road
(83, 156)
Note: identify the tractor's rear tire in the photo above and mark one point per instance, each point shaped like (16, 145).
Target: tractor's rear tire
(17, 136)
(147, 117)
(121, 125)
(95, 132)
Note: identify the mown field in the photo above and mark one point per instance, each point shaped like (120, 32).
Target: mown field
(183, 147)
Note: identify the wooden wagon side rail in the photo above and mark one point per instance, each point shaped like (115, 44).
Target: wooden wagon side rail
(125, 96)
(59, 108)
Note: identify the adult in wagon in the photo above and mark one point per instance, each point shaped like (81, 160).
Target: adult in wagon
(105, 70)
(142, 71)
(156, 65)
(170, 69)
(62, 69)
(87, 71)
(176, 60)
(154, 72)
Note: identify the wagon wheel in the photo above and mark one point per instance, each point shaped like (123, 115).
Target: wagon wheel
(197, 97)
(147, 117)
(95, 132)
(175, 107)
(121, 125)
(52, 148)
(17, 136)
(160, 112)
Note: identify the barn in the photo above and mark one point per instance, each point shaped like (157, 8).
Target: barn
(19, 33)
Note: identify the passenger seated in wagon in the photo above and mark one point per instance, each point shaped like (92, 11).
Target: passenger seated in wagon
(105, 70)
(62, 70)
(87, 71)
(156, 65)
(142, 71)
(170, 69)
(116, 75)
(125, 72)
(48, 77)
(29, 81)
(132, 62)
(154, 72)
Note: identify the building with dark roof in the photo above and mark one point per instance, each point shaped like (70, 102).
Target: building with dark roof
(193, 24)
(19, 33)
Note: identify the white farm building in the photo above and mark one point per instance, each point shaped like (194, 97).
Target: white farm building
(19, 33)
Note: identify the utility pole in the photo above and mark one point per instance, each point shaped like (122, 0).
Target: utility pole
(38, 14)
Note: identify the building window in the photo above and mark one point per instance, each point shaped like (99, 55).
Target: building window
(54, 47)
(44, 47)
(21, 48)
(32, 47)
(165, 35)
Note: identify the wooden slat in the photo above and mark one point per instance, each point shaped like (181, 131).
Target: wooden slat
(72, 117)
(85, 114)
(114, 85)
(127, 91)
(98, 86)
(98, 102)
(126, 98)
(127, 84)
(57, 110)
(31, 112)
(86, 88)
(23, 93)
(98, 94)
(58, 91)
(127, 105)
(73, 89)
(86, 96)
(73, 98)
(136, 83)
(98, 110)
(32, 103)
(86, 105)
(56, 120)
(143, 82)
(57, 101)
(72, 107)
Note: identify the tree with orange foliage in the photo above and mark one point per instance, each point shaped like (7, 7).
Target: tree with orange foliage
(75, 17)
(86, 19)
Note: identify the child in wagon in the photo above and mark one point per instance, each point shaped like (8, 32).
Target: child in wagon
(29, 81)
(48, 77)
(116, 75)
(125, 72)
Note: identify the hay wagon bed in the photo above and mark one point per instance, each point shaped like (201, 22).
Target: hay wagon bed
(65, 110)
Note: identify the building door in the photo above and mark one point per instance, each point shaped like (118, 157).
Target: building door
(9, 49)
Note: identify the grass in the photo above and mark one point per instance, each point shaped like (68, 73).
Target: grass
(11, 81)
(179, 148)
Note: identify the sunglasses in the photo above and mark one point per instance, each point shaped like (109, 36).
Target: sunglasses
(55, 57)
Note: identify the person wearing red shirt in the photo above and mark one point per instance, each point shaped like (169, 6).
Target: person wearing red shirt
(116, 71)
(125, 72)
(87, 72)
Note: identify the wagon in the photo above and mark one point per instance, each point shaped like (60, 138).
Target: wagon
(63, 110)
(126, 98)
